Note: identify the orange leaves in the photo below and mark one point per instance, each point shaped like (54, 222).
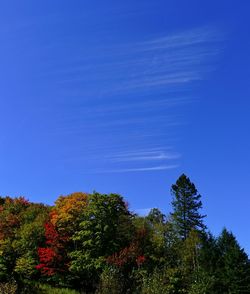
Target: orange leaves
(10, 215)
(58, 231)
(12, 220)
(21, 201)
(67, 208)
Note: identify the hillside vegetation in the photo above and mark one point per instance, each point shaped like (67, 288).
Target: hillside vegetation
(93, 243)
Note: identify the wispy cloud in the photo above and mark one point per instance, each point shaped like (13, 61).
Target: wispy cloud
(139, 169)
(185, 38)
(167, 61)
(130, 98)
(150, 155)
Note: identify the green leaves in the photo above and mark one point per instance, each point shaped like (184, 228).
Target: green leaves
(103, 231)
(92, 242)
(21, 232)
(233, 264)
(25, 266)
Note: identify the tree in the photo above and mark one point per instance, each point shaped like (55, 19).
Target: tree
(64, 219)
(105, 228)
(162, 238)
(233, 265)
(68, 211)
(21, 230)
(186, 204)
(53, 258)
(156, 216)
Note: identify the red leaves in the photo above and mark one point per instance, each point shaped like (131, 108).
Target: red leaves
(46, 270)
(140, 260)
(131, 254)
(127, 255)
(46, 255)
(51, 234)
(52, 257)
(53, 238)
(11, 211)
(124, 256)
(50, 260)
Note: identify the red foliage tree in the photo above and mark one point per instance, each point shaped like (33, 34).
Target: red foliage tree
(58, 230)
(53, 259)
(133, 254)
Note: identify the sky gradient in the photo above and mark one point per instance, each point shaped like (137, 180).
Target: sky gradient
(124, 96)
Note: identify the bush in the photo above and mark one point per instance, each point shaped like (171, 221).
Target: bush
(8, 288)
(166, 281)
(110, 282)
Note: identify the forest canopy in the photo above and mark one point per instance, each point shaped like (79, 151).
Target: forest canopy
(93, 243)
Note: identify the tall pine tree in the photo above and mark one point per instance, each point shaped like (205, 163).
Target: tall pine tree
(186, 205)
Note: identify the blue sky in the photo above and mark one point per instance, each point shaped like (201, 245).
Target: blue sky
(124, 96)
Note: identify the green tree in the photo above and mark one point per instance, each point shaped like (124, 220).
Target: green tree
(233, 266)
(156, 216)
(163, 240)
(186, 205)
(105, 229)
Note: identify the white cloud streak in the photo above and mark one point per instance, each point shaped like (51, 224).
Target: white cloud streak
(140, 169)
(168, 61)
(150, 155)
(137, 86)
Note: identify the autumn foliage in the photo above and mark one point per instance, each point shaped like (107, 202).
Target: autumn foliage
(94, 243)
(53, 258)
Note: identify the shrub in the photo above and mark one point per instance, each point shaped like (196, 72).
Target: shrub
(8, 288)
(111, 282)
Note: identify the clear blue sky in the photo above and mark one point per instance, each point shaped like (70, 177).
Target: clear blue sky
(124, 96)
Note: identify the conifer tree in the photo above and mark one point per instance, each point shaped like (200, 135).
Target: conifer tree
(233, 265)
(186, 205)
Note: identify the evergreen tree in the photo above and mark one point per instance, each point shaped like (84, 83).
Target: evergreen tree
(186, 204)
(233, 266)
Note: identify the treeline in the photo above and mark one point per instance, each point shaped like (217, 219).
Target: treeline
(92, 243)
